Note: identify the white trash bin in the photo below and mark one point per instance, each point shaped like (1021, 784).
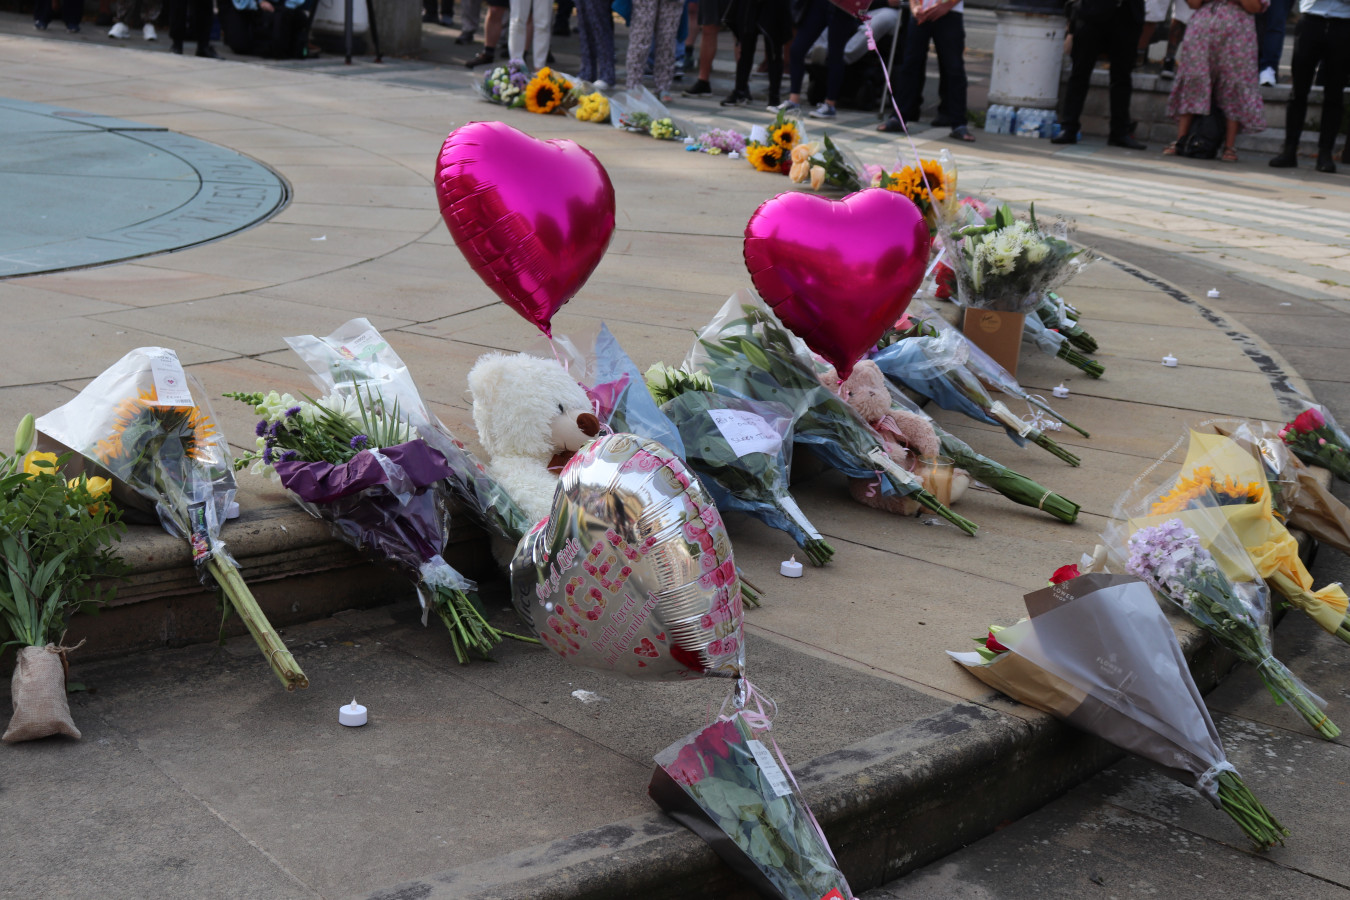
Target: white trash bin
(1028, 59)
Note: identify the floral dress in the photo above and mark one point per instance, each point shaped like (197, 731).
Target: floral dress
(1218, 59)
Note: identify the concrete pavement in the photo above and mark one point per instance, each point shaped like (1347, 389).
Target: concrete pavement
(199, 777)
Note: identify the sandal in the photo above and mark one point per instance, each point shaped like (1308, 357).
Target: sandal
(892, 124)
(1170, 149)
(962, 133)
(1229, 154)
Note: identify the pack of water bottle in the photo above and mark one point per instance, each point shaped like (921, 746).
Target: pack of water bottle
(1026, 122)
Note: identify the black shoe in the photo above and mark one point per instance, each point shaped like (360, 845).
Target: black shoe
(177, 47)
(1128, 142)
(465, 37)
(1287, 159)
(688, 64)
(700, 88)
(1065, 137)
(206, 51)
(1325, 163)
(485, 57)
(40, 26)
(72, 29)
(1169, 69)
(737, 98)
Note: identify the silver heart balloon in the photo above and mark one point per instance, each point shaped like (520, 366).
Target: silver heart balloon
(632, 571)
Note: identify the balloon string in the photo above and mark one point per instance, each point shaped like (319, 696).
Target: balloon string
(895, 106)
(565, 363)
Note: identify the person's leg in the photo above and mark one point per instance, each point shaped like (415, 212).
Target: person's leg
(810, 27)
(203, 12)
(42, 14)
(841, 27)
(520, 17)
(543, 31)
(586, 35)
(641, 24)
(667, 30)
(745, 62)
(707, 46)
(909, 82)
(1270, 32)
(773, 52)
(469, 11)
(1120, 51)
(949, 41)
(1308, 36)
(562, 20)
(72, 13)
(1088, 35)
(1335, 50)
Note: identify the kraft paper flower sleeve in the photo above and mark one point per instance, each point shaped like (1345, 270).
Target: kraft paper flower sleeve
(1099, 654)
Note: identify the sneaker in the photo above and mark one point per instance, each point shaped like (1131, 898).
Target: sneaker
(736, 98)
(600, 84)
(148, 31)
(1169, 69)
(464, 38)
(1267, 77)
(787, 106)
(39, 25)
(824, 111)
(448, 21)
(700, 88)
(119, 31)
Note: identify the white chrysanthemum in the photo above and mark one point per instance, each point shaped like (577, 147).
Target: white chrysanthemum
(1037, 251)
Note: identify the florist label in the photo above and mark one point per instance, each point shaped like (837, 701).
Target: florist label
(364, 346)
(171, 388)
(745, 432)
(772, 771)
(795, 513)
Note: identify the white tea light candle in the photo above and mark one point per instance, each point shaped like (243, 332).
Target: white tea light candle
(1170, 361)
(790, 568)
(353, 714)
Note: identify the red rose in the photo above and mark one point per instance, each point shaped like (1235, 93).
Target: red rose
(1064, 573)
(944, 280)
(717, 738)
(687, 767)
(991, 643)
(1308, 421)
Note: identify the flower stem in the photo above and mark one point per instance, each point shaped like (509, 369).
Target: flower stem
(1282, 683)
(750, 595)
(469, 631)
(1251, 816)
(244, 603)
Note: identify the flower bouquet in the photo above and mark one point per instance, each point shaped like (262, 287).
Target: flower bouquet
(1054, 343)
(356, 463)
(770, 150)
(1316, 439)
(623, 402)
(836, 168)
(1298, 496)
(1219, 479)
(1005, 263)
(742, 450)
(718, 141)
(748, 353)
(357, 358)
(505, 85)
(592, 107)
(931, 185)
(933, 362)
(734, 791)
(148, 425)
(641, 113)
(56, 536)
(991, 473)
(1214, 583)
(1099, 654)
(549, 91)
(1054, 314)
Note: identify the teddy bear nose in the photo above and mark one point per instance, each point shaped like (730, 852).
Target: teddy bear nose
(589, 424)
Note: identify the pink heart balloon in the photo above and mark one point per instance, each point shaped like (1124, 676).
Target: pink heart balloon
(532, 217)
(838, 273)
(855, 8)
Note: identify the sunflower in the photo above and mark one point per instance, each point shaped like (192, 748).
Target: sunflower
(1202, 482)
(786, 135)
(765, 157)
(542, 95)
(142, 427)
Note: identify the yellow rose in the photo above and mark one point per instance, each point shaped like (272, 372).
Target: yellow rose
(31, 467)
(800, 170)
(802, 152)
(817, 177)
(97, 487)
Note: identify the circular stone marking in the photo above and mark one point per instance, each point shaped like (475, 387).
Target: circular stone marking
(82, 189)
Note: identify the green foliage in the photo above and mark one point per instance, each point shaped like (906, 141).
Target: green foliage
(56, 540)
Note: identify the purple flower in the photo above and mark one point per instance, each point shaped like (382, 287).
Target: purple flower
(261, 429)
(273, 429)
(289, 455)
(292, 412)
(359, 441)
(267, 454)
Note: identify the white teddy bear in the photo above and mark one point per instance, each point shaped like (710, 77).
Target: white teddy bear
(531, 418)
